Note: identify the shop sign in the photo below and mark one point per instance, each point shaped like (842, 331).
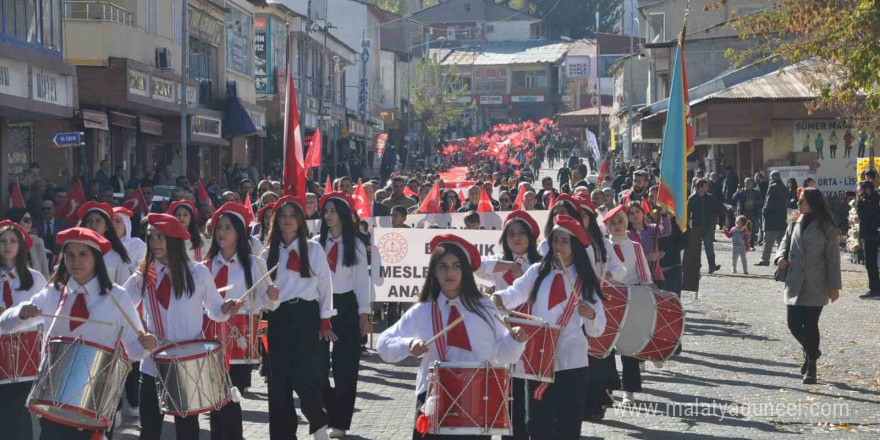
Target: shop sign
(95, 119)
(207, 126)
(138, 83)
(261, 69)
(150, 125)
(13, 78)
(534, 98)
(577, 67)
(835, 145)
(491, 99)
(51, 87)
(192, 94)
(355, 128)
(312, 105)
(163, 89)
(68, 139)
(123, 120)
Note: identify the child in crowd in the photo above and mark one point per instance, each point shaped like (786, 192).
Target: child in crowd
(739, 239)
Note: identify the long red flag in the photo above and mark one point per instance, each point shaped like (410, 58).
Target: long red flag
(69, 205)
(313, 157)
(361, 203)
(485, 204)
(294, 175)
(431, 204)
(15, 198)
(136, 203)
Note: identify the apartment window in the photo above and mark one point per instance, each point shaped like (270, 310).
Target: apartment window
(470, 32)
(535, 31)
(34, 21)
(656, 30)
(530, 79)
(239, 41)
(201, 59)
(450, 33)
(605, 62)
(490, 28)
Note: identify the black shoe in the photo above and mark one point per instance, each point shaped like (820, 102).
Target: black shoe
(762, 263)
(715, 268)
(869, 295)
(805, 364)
(810, 375)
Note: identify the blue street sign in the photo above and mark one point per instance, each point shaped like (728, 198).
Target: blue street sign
(69, 139)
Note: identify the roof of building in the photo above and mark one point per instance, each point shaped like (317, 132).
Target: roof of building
(494, 11)
(588, 111)
(789, 83)
(506, 53)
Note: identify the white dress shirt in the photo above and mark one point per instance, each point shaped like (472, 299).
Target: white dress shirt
(637, 269)
(353, 278)
(118, 270)
(615, 268)
(135, 246)
(571, 350)
(21, 296)
(101, 308)
(489, 340)
(183, 319)
(317, 287)
(236, 279)
(191, 252)
(487, 269)
(256, 245)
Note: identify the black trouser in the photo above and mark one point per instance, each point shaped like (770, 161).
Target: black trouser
(185, 428)
(671, 281)
(226, 422)
(50, 430)
(803, 322)
(132, 384)
(871, 247)
(632, 375)
(602, 379)
(558, 415)
(15, 420)
(518, 410)
(293, 366)
(345, 359)
(420, 400)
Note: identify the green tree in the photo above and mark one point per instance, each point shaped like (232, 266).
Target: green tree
(577, 18)
(437, 96)
(835, 42)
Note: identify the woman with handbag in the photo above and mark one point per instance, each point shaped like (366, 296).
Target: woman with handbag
(809, 264)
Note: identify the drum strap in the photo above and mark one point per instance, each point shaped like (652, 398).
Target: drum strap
(562, 321)
(197, 251)
(150, 279)
(644, 276)
(437, 321)
(57, 312)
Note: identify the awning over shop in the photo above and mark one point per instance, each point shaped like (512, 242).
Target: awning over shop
(236, 121)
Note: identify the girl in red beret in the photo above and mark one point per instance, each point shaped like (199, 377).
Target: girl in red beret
(174, 292)
(80, 287)
(450, 291)
(297, 322)
(19, 284)
(352, 299)
(197, 244)
(573, 302)
(99, 218)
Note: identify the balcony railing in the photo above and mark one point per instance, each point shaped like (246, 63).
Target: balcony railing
(96, 11)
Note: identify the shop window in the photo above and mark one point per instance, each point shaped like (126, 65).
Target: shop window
(530, 79)
(656, 28)
(20, 149)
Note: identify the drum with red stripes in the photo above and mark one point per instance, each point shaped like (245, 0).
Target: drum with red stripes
(539, 357)
(20, 356)
(615, 305)
(239, 335)
(468, 398)
(652, 324)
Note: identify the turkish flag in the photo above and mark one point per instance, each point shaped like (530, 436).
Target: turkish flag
(203, 195)
(431, 204)
(67, 208)
(361, 204)
(409, 193)
(294, 175)
(15, 198)
(313, 157)
(136, 202)
(328, 188)
(520, 196)
(485, 204)
(250, 206)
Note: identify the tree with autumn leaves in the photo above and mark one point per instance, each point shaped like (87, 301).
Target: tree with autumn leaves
(837, 44)
(438, 97)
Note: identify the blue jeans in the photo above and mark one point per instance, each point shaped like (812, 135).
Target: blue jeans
(709, 243)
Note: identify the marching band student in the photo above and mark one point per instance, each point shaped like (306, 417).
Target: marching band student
(555, 410)
(196, 244)
(80, 287)
(231, 263)
(297, 322)
(20, 284)
(99, 218)
(563, 205)
(449, 292)
(174, 292)
(637, 272)
(603, 263)
(347, 259)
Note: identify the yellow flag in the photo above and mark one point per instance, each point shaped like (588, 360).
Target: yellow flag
(613, 141)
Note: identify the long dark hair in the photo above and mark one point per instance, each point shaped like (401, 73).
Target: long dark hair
(243, 249)
(596, 237)
(818, 206)
(178, 265)
(195, 235)
(572, 211)
(468, 293)
(590, 288)
(25, 277)
(444, 206)
(302, 237)
(349, 251)
(264, 228)
(61, 276)
(531, 253)
(109, 234)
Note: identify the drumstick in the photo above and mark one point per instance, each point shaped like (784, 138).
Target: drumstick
(262, 278)
(125, 315)
(504, 323)
(524, 315)
(442, 332)
(226, 287)
(77, 319)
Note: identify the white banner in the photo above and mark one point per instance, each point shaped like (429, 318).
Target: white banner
(593, 145)
(493, 221)
(401, 257)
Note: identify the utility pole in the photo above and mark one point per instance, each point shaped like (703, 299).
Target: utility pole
(627, 149)
(184, 39)
(303, 74)
(598, 89)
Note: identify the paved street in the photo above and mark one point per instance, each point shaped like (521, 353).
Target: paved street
(737, 378)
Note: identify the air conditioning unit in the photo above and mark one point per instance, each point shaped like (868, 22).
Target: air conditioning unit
(163, 58)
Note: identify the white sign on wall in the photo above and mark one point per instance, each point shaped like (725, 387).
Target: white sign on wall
(577, 67)
(51, 87)
(13, 78)
(837, 145)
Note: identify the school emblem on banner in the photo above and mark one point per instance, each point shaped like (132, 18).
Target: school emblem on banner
(392, 248)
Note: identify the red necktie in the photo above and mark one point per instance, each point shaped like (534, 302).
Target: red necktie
(557, 292)
(332, 256)
(163, 293)
(222, 279)
(293, 261)
(508, 277)
(458, 336)
(79, 310)
(619, 252)
(7, 290)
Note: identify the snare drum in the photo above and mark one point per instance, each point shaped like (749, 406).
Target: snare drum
(20, 356)
(79, 384)
(616, 304)
(539, 357)
(237, 340)
(468, 398)
(653, 324)
(191, 377)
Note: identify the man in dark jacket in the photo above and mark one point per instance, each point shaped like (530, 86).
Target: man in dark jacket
(774, 212)
(702, 208)
(731, 183)
(868, 208)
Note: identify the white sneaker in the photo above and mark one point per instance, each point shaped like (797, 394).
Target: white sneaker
(131, 411)
(117, 420)
(642, 367)
(658, 364)
(321, 434)
(628, 398)
(336, 433)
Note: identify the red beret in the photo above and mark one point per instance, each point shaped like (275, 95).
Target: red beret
(183, 202)
(473, 255)
(84, 236)
(295, 201)
(235, 209)
(620, 209)
(524, 217)
(567, 223)
(123, 211)
(168, 225)
(339, 195)
(585, 204)
(104, 208)
(267, 207)
(566, 198)
(6, 225)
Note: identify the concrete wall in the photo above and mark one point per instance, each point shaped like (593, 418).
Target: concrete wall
(246, 85)
(93, 42)
(388, 65)
(509, 30)
(698, 18)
